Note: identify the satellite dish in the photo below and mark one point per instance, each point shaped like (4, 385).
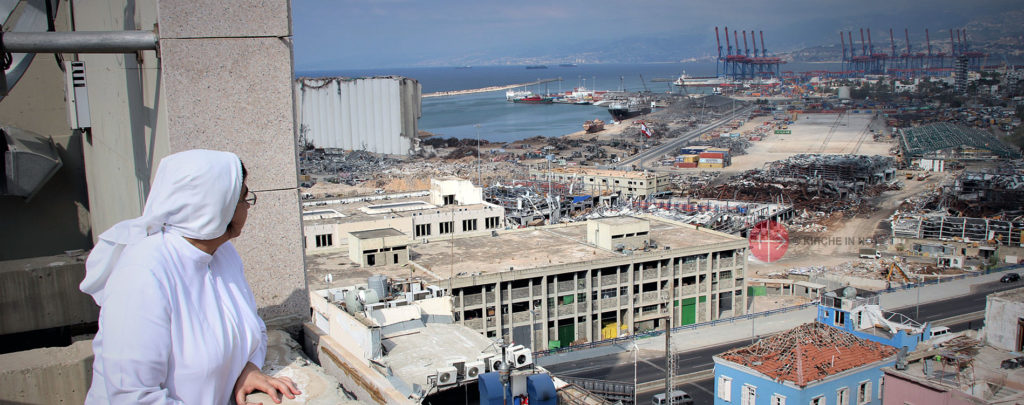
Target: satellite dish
(849, 292)
(31, 19)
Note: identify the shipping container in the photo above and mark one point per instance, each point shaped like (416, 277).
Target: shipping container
(755, 138)
(711, 160)
(686, 165)
(712, 155)
(710, 165)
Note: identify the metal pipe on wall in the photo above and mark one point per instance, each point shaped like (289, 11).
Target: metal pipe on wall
(80, 42)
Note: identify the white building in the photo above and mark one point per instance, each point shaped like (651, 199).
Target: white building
(454, 207)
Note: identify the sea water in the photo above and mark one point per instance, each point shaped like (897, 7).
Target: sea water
(492, 118)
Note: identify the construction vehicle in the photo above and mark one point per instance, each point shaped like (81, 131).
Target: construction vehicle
(893, 268)
(910, 176)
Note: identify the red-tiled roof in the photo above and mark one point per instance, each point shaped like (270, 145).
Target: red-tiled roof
(808, 353)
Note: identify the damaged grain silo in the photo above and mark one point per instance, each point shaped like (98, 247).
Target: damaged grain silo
(373, 114)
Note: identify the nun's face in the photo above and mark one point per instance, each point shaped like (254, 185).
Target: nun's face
(241, 213)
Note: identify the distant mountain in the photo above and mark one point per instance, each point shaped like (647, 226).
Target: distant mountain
(622, 50)
(1000, 36)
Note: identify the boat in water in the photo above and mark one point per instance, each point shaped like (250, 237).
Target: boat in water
(593, 126)
(533, 99)
(632, 107)
(707, 81)
(537, 67)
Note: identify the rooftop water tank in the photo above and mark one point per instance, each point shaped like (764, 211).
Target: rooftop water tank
(379, 284)
(352, 304)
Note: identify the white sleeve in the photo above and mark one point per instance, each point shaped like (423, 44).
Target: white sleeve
(135, 320)
(259, 355)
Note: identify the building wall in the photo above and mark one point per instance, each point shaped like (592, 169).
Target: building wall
(899, 390)
(629, 186)
(128, 105)
(828, 388)
(57, 218)
(406, 224)
(632, 293)
(464, 192)
(377, 114)
(1004, 319)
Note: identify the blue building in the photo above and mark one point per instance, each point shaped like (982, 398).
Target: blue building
(856, 311)
(812, 364)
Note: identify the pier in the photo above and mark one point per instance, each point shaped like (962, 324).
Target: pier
(488, 89)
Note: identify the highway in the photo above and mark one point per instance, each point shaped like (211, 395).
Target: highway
(962, 312)
(672, 146)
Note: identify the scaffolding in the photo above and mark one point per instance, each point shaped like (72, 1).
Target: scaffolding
(952, 141)
(960, 229)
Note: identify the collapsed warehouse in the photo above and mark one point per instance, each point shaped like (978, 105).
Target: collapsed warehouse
(817, 183)
(988, 192)
(732, 217)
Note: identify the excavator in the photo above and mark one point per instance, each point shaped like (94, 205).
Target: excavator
(893, 268)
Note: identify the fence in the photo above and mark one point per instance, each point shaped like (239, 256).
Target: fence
(610, 390)
(755, 315)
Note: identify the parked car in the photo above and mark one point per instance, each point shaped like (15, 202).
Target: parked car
(1010, 278)
(678, 397)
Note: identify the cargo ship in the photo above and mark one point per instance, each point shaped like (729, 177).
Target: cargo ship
(623, 110)
(537, 67)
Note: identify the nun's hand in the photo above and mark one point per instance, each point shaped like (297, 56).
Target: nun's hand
(252, 379)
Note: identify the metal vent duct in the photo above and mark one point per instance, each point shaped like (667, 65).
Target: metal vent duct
(27, 161)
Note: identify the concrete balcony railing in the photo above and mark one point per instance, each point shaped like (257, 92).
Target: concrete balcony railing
(687, 290)
(608, 280)
(703, 288)
(608, 303)
(565, 310)
(476, 324)
(521, 317)
(565, 286)
(650, 274)
(472, 299)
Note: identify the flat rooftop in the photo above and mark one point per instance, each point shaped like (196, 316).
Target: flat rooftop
(419, 353)
(528, 248)
(600, 172)
(1014, 295)
(377, 233)
(362, 211)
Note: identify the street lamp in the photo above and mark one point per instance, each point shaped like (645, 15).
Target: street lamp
(636, 350)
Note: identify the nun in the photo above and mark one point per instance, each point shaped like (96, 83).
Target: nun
(178, 321)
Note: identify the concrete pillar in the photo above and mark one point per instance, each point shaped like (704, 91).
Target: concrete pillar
(508, 305)
(462, 306)
(551, 294)
(575, 307)
(225, 83)
(544, 310)
(632, 282)
(497, 310)
(590, 305)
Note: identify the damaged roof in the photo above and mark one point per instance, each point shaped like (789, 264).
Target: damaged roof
(808, 353)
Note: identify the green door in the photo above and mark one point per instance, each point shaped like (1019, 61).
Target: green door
(566, 334)
(689, 311)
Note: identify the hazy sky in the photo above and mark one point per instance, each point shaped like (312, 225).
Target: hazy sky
(346, 34)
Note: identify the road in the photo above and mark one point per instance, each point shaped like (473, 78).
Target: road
(676, 143)
(651, 364)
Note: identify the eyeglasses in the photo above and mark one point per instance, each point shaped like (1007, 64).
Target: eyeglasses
(250, 198)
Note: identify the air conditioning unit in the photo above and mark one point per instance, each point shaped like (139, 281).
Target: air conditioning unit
(510, 354)
(447, 376)
(521, 358)
(486, 359)
(495, 363)
(474, 369)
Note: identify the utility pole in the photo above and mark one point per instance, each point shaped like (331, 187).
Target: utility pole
(670, 361)
(478, 180)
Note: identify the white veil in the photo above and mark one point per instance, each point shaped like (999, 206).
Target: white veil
(194, 195)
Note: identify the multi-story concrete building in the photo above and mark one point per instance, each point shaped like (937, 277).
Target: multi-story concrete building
(453, 207)
(550, 286)
(638, 185)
